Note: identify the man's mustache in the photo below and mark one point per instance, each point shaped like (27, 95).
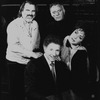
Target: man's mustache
(30, 15)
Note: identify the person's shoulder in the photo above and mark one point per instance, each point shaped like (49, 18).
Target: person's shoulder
(82, 51)
(11, 24)
(34, 22)
(62, 65)
(66, 37)
(33, 63)
(52, 23)
(36, 65)
(82, 48)
(37, 60)
(15, 21)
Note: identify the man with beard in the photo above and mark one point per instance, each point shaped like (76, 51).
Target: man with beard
(22, 39)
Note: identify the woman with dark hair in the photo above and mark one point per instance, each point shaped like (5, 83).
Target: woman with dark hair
(76, 58)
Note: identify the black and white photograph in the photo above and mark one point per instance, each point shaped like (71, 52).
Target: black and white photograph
(49, 50)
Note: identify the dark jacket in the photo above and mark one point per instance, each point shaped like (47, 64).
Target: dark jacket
(79, 73)
(39, 81)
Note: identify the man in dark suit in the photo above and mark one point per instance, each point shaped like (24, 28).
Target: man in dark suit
(40, 83)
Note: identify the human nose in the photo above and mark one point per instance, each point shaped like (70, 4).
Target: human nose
(75, 36)
(30, 12)
(54, 53)
(57, 13)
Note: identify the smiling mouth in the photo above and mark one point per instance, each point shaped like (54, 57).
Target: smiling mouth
(30, 17)
(51, 56)
(58, 17)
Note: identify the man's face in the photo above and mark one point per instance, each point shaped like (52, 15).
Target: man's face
(57, 12)
(52, 51)
(28, 12)
(77, 36)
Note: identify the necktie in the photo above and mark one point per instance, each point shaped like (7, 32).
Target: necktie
(53, 69)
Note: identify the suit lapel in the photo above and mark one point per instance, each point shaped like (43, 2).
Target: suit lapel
(46, 67)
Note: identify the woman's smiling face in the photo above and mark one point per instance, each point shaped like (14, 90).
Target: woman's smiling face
(77, 36)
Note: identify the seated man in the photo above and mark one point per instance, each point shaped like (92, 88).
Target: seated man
(42, 82)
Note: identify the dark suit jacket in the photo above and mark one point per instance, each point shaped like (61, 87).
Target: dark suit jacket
(39, 82)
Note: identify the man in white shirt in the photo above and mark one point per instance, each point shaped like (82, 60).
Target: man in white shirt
(22, 39)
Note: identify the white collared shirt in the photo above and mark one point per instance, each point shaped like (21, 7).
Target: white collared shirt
(48, 61)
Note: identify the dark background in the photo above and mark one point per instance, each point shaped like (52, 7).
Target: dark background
(82, 10)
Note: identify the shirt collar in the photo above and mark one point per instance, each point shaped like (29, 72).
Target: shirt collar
(48, 61)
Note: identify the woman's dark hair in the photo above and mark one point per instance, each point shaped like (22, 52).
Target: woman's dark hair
(80, 24)
(22, 7)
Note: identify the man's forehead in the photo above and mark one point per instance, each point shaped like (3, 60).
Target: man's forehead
(27, 5)
(55, 7)
(53, 45)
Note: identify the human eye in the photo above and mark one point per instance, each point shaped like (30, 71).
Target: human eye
(57, 50)
(51, 49)
(76, 32)
(54, 12)
(27, 9)
(59, 10)
(33, 10)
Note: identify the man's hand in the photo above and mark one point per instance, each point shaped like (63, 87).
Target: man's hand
(36, 54)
